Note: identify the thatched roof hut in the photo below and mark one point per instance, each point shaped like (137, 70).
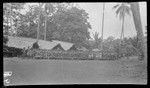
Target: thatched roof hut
(73, 48)
(57, 47)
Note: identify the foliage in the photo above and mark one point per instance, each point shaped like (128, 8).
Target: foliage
(63, 22)
(70, 55)
(121, 47)
(112, 49)
(108, 44)
(138, 26)
(11, 51)
(11, 17)
(72, 25)
(122, 10)
(48, 54)
(97, 40)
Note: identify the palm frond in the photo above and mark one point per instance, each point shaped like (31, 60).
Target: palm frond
(120, 9)
(127, 10)
(114, 7)
(96, 36)
(122, 14)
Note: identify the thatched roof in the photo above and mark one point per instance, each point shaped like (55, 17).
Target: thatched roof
(73, 48)
(65, 45)
(57, 47)
(21, 42)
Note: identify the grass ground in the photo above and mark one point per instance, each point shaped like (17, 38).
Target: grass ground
(38, 72)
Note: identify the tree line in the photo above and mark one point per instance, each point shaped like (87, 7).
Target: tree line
(62, 21)
(47, 21)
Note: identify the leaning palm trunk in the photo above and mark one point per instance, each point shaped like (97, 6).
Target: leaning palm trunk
(137, 21)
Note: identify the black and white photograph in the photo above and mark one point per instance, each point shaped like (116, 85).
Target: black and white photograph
(53, 43)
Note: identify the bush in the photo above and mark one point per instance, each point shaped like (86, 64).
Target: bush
(11, 51)
(56, 54)
(72, 55)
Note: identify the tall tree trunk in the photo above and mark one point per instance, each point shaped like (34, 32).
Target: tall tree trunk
(102, 28)
(45, 28)
(17, 26)
(38, 29)
(11, 19)
(39, 20)
(122, 31)
(137, 21)
(7, 22)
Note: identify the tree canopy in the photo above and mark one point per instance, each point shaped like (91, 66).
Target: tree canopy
(64, 22)
(11, 17)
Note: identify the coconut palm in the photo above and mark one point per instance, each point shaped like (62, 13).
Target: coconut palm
(102, 27)
(122, 10)
(134, 7)
(138, 25)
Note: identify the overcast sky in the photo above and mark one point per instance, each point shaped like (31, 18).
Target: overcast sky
(112, 24)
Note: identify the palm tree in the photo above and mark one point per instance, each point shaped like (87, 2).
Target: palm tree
(122, 10)
(102, 27)
(134, 7)
(138, 25)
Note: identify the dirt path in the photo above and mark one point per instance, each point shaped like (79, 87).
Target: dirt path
(65, 72)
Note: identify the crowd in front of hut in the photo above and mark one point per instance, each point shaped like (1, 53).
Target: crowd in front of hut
(72, 53)
(55, 50)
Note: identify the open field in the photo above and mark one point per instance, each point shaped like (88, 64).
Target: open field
(38, 72)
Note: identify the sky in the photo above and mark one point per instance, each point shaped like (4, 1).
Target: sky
(112, 23)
